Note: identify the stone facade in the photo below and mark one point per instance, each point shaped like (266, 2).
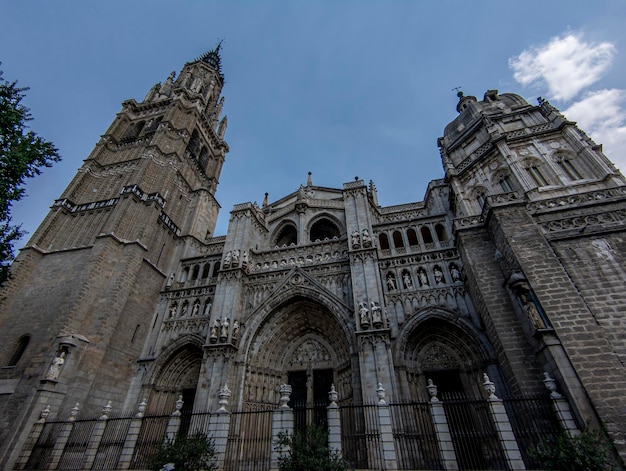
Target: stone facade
(512, 265)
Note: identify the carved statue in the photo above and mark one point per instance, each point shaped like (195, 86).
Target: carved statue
(196, 308)
(421, 274)
(170, 280)
(438, 275)
(244, 259)
(235, 329)
(406, 278)
(377, 315)
(364, 314)
(173, 309)
(224, 329)
(236, 257)
(227, 259)
(207, 308)
(367, 240)
(454, 271)
(55, 367)
(215, 329)
(532, 312)
(356, 239)
(391, 282)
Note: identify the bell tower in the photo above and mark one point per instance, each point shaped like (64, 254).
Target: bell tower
(83, 291)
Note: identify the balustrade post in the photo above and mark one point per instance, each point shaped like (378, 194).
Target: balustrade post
(390, 458)
(96, 437)
(503, 426)
(282, 421)
(219, 426)
(31, 441)
(61, 441)
(334, 422)
(128, 449)
(561, 407)
(173, 425)
(442, 430)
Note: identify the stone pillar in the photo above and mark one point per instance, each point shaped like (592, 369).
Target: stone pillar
(128, 450)
(282, 421)
(390, 459)
(31, 441)
(96, 437)
(64, 435)
(561, 407)
(503, 426)
(440, 421)
(334, 422)
(174, 423)
(219, 426)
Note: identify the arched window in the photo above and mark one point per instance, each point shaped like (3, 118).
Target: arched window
(287, 236)
(426, 235)
(442, 235)
(568, 168)
(20, 348)
(193, 148)
(196, 272)
(133, 131)
(383, 241)
(216, 269)
(397, 239)
(205, 270)
(412, 236)
(185, 275)
(324, 229)
(505, 182)
(534, 170)
(203, 160)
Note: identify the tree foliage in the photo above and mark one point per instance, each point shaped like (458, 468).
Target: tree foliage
(308, 451)
(22, 155)
(589, 451)
(194, 453)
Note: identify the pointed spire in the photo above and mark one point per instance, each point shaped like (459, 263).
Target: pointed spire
(265, 203)
(213, 58)
(309, 181)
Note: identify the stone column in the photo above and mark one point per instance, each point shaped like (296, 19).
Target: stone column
(282, 421)
(64, 435)
(31, 441)
(96, 437)
(334, 422)
(561, 407)
(219, 426)
(440, 421)
(174, 423)
(503, 426)
(390, 459)
(128, 450)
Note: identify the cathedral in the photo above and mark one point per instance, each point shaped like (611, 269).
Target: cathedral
(495, 306)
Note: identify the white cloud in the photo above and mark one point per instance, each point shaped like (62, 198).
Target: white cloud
(565, 64)
(601, 115)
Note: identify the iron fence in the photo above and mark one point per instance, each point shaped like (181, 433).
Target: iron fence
(415, 437)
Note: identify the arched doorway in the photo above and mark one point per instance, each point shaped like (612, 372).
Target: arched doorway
(303, 344)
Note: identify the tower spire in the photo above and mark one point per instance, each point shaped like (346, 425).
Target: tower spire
(213, 59)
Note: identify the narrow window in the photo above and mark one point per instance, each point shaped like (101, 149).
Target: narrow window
(505, 183)
(442, 235)
(426, 235)
(383, 240)
(569, 169)
(397, 239)
(537, 176)
(22, 343)
(412, 237)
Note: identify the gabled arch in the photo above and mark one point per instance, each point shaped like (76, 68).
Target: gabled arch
(285, 234)
(324, 226)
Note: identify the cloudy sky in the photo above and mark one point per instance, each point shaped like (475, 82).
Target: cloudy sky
(338, 88)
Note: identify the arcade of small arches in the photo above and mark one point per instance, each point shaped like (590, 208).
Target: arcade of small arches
(417, 238)
(320, 229)
(421, 277)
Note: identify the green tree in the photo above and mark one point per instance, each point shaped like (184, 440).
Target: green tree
(308, 451)
(194, 453)
(22, 155)
(589, 451)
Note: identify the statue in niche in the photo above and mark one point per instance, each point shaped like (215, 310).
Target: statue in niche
(423, 278)
(170, 280)
(183, 311)
(406, 279)
(228, 259)
(356, 239)
(367, 240)
(531, 311)
(245, 258)
(173, 309)
(207, 308)
(454, 271)
(438, 275)
(214, 330)
(235, 260)
(224, 329)
(391, 282)
(235, 329)
(56, 366)
(196, 308)
(364, 315)
(377, 315)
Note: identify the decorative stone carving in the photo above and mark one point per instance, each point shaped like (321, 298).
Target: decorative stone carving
(141, 408)
(223, 396)
(333, 396)
(364, 315)
(365, 237)
(550, 384)
(406, 280)
(224, 329)
(227, 259)
(214, 330)
(178, 405)
(377, 314)
(422, 277)
(235, 329)
(235, 258)
(74, 413)
(195, 310)
(438, 275)
(432, 391)
(455, 272)
(391, 282)
(56, 366)
(490, 387)
(44, 414)
(285, 395)
(380, 393)
(170, 280)
(356, 239)
(106, 410)
(310, 352)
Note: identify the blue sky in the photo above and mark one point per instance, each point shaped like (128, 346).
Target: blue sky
(338, 88)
